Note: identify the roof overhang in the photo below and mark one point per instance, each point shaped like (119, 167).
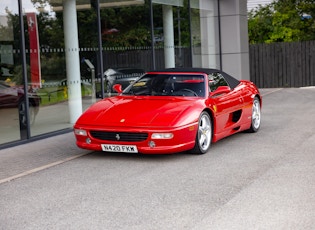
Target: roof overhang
(86, 4)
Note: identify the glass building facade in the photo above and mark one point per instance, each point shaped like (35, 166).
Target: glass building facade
(54, 53)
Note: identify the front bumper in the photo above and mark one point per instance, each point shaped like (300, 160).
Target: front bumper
(183, 140)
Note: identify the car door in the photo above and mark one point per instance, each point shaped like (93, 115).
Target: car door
(226, 102)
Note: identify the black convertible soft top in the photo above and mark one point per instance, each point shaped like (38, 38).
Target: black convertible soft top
(233, 82)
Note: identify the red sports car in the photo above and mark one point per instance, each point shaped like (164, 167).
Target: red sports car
(171, 110)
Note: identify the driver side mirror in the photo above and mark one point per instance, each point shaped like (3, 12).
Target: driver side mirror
(220, 90)
(118, 88)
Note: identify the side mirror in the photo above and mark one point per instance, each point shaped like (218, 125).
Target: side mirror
(118, 88)
(221, 90)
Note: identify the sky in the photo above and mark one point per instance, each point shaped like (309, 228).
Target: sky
(13, 6)
(251, 4)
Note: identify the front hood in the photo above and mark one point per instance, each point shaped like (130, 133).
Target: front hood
(136, 111)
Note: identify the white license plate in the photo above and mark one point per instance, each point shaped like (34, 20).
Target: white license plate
(120, 148)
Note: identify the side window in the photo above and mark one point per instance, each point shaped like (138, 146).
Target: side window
(216, 80)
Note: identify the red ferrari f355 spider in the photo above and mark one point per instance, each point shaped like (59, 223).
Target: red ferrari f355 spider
(171, 110)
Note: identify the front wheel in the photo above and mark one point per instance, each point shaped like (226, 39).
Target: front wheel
(256, 116)
(204, 134)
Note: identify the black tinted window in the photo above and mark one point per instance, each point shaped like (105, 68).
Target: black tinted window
(168, 85)
(216, 80)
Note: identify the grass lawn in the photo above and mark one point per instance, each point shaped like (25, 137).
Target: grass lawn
(57, 94)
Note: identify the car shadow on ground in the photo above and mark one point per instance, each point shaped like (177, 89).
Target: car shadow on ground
(165, 157)
(215, 149)
(137, 156)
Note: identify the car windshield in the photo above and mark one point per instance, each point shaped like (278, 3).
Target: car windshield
(190, 85)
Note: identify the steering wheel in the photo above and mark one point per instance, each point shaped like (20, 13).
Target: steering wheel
(190, 91)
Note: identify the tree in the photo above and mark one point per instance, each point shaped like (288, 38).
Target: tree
(282, 21)
(260, 24)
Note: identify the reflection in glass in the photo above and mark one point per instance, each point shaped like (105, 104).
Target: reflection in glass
(12, 95)
(204, 34)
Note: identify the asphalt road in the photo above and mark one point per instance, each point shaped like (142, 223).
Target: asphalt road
(264, 180)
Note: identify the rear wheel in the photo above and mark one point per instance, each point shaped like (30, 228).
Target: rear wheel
(256, 116)
(204, 134)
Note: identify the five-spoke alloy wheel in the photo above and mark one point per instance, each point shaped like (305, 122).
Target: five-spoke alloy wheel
(204, 134)
(256, 116)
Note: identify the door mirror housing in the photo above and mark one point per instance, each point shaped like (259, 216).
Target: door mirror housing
(220, 90)
(118, 88)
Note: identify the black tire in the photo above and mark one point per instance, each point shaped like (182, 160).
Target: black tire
(204, 134)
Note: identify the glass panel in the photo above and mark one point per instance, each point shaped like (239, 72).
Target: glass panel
(205, 34)
(171, 34)
(126, 43)
(182, 36)
(12, 94)
(125, 31)
(45, 56)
